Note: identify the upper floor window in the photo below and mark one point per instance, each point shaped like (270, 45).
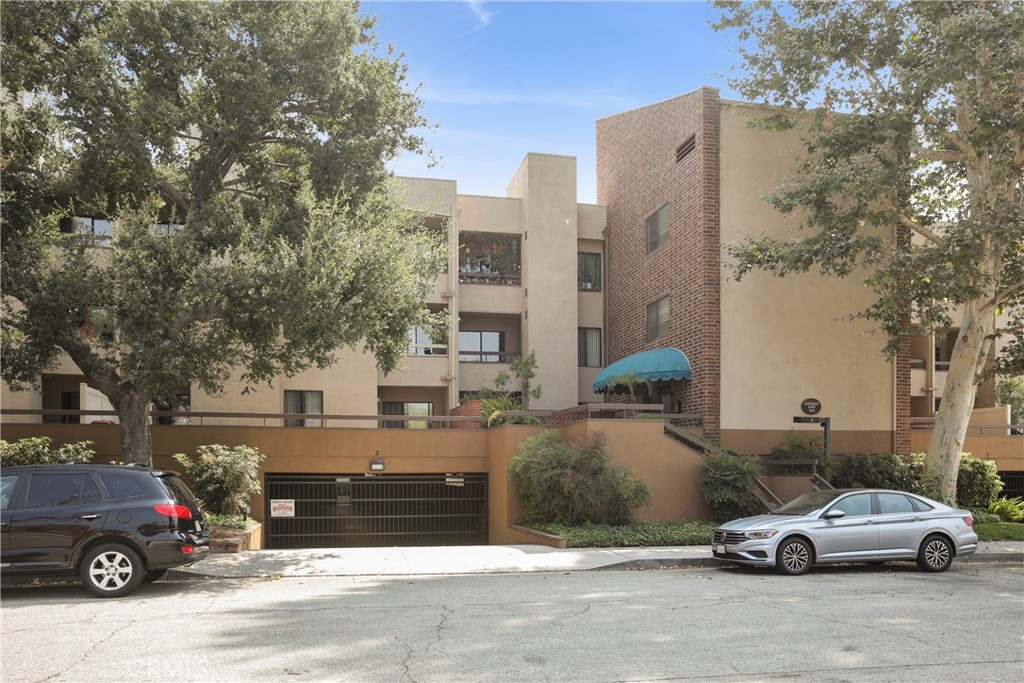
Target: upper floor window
(588, 272)
(421, 344)
(490, 259)
(482, 346)
(657, 318)
(311, 402)
(590, 347)
(100, 228)
(657, 229)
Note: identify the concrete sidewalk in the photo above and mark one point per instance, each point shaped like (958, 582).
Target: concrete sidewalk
(485, 559)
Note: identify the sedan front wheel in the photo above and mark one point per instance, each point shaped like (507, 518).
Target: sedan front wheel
(793, 557)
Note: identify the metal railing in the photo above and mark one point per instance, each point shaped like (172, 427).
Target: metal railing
(928, 423)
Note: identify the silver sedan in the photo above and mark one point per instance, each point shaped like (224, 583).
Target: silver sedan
(849, 525)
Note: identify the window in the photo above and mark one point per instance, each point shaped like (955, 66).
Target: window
(892, 503)
(657, 319)
(481, 347)
(311, 402)
(408, 409)
(588, 272)
(590, 347)
(854, 506)
(55, 490)
(120, 486)
(490, 259)
(7, 484)
(657, 229)
(421, 344)
(100, 228)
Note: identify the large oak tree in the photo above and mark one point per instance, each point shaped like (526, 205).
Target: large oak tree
(241, 148)
(913, 115)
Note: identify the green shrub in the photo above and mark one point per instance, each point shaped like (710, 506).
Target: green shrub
(573, 483)
(39, 450)
(1008, 509)
(984, 516)
(727, 481)
(633, 535)
(229, 521)
(800, 446)
(978, 483)
(225, 478)
(885, 471)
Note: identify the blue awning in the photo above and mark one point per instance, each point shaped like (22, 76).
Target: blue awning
(655, 365)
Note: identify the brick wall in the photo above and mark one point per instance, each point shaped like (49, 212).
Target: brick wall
(637, 173)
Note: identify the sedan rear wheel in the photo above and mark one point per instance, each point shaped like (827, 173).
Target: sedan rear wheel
(111, 570)
(793, 557)
(935, 555)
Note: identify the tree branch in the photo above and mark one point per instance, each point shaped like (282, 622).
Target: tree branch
(1007, 292)
(908, 222)
(175, 195)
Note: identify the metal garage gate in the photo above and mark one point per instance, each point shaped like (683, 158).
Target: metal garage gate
(359, 510)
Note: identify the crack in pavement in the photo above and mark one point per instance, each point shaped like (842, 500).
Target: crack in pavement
(91, 650)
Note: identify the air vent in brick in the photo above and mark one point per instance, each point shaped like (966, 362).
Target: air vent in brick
(686, 148)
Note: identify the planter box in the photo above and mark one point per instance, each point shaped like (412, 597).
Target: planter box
(227, 540)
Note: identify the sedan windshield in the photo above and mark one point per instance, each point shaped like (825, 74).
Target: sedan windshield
(809, 502)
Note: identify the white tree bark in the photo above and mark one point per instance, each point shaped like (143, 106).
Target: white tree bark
(966, 365)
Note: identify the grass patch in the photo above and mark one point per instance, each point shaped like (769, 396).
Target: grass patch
(999, 531)
(635, 535)
(228, 521)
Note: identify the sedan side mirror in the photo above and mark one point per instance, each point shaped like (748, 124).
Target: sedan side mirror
(833, 514)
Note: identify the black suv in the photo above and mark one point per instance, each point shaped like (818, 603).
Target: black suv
(115, 526)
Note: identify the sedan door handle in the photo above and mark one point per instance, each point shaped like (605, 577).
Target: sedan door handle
(93, 516)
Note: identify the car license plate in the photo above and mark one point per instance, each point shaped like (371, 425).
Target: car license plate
(199, 526)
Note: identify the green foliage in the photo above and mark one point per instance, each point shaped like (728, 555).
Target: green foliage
(228, 521)
(1008, 509)
(500, 399)
(885, 471)
(978, 483)
(573, 483)
(1010, 392)
(630, 381)
(999, 531)
(225, 478)
(727, 481)
(39, 450)
(634, 534)
(801, 446)
(984, 516)
(266, 147)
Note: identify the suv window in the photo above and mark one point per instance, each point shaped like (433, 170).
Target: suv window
(7, 484)
(120, 486)
(54, 490)
(180, 493)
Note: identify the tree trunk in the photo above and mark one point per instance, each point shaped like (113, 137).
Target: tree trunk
(945, 447)
(136, 441)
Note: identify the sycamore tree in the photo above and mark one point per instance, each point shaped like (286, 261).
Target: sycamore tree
(239, 150)
(913, 117)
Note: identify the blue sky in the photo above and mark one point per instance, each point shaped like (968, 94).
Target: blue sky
(500, 79)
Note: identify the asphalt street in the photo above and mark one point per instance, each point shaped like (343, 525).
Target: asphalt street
(841, 623)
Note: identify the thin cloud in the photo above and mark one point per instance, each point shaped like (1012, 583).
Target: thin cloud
(477, 7)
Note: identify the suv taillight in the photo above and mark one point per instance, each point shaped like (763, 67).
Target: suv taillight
(969, 521)
(178, 511)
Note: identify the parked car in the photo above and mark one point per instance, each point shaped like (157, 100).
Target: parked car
(849, 525)
(113, 526)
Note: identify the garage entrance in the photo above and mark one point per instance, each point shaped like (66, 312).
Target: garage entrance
(360, 510)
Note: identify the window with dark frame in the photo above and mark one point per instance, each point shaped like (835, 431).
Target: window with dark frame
(308, 402)
(481, 346)
(657, 229)
(589, 347)
(588, 271)
(657, 318)
(407, 409)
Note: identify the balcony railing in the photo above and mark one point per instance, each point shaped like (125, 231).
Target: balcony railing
(490, 278)
(427, 350)
(486, 356)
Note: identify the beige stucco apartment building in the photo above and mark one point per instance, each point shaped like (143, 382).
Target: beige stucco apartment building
(682, 179)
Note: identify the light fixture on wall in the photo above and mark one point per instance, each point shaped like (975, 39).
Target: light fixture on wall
(376, 465)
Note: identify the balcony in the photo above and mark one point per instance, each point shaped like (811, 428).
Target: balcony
(490, 259)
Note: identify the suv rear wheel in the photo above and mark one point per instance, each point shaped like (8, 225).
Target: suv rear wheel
(111, 570)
